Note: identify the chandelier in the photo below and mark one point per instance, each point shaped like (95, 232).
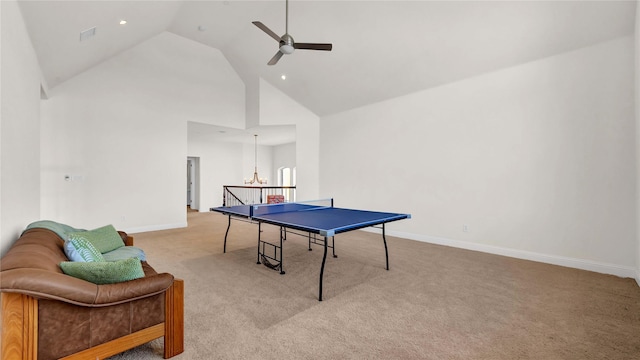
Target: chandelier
(256, 179)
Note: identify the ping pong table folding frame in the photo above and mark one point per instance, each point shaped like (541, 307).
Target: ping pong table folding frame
(277, 249)
(247, 213)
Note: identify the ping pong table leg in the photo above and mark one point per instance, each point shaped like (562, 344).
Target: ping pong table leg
(225, 235)
(386, 253)
(281, 247)
(333, 246)
(259, 223)
(324, 259)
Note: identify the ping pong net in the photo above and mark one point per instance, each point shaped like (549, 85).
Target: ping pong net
(266, 209)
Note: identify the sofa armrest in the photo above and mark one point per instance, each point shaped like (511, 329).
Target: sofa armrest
(128, 239)
(134, 289)
(58, 286)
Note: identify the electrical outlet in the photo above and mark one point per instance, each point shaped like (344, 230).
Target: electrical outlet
(465, 228)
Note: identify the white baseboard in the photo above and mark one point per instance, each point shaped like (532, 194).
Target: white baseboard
(604, 268)
(154, 228)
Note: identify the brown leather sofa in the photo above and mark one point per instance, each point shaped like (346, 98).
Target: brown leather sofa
(47, 314)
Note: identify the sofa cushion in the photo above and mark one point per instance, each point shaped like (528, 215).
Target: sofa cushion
(105, 238)
(107, 272)
(80, 249)
(125, 252)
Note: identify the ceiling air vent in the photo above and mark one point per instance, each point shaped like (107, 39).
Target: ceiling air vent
(87, 34)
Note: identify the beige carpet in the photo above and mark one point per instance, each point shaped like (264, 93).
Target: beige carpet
(435, 302)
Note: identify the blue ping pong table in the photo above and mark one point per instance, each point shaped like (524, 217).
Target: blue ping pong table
(316, 217)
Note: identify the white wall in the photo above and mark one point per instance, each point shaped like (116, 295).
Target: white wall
(252, 101)
(19, 128)
(637, 102)
(121, 129)
(538, 160)
(277, 108)
(219, 165)
(284, 156)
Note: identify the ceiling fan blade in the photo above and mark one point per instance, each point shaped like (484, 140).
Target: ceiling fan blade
(275, 58)
(307, 46)
(264, 28)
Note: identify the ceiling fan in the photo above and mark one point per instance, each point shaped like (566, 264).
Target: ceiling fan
(287, 45)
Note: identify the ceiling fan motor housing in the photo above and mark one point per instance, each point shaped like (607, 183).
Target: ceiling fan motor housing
(286, 44)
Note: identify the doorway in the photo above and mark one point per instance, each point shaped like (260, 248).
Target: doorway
(193, 164)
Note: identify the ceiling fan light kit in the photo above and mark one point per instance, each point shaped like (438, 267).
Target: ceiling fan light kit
(287, 45)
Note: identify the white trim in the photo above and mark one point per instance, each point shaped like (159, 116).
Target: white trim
(604, 268)
(154, 228)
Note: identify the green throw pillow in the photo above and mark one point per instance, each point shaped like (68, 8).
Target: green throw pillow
(105, 239)
(108, 272)
(80, 249)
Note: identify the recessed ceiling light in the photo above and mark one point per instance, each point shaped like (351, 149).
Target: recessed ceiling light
(122, 22)
(283, 77)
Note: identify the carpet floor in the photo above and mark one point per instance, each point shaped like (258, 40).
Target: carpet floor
(435, 302)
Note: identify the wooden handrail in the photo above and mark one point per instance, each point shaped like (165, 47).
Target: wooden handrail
(245, 195)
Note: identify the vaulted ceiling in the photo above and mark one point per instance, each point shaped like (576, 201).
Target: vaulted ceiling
(381, 49)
